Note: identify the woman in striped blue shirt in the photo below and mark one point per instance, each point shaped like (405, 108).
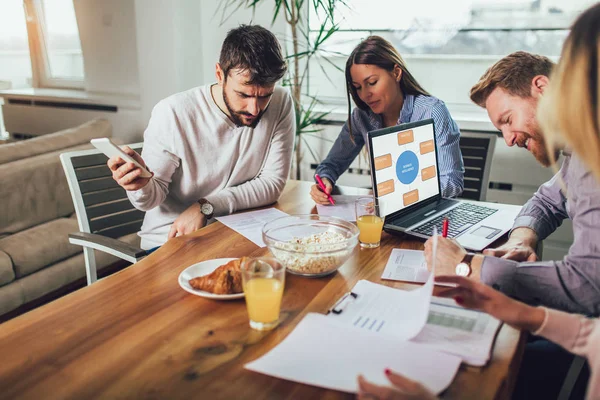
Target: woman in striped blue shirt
(386, 94)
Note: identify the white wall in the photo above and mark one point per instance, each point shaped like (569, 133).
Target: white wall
(108, 43)
(215, 27)
(146, 50)
(179, 43)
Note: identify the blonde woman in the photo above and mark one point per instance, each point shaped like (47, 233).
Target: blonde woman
(570, 115)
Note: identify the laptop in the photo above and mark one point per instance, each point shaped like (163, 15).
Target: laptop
(406, 185)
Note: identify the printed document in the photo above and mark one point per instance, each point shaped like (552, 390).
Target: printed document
(343, 208)
(398, 313)
(455, 330)
(250, 224)
(406, 265)
(321, 351)
(378, 308)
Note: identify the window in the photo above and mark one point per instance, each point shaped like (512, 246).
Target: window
(55, 44)
(448, 45)
(467, 27)
(15, 63)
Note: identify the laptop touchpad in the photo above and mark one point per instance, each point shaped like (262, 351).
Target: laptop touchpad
(486, 232)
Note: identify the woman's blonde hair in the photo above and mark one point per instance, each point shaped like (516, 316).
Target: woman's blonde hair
(569, 110)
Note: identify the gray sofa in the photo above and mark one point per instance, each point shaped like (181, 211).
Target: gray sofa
(37, 214)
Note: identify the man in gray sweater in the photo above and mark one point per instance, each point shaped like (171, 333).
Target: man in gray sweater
(218, 148)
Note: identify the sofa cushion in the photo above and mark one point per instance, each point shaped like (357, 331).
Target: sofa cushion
(34, 191)
(53, 277)
(34, 286)
(45, 244)
(55, 141)
(7, 274)
(11, 296)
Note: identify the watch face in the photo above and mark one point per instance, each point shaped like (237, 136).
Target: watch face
(207, 209)
(463, 269)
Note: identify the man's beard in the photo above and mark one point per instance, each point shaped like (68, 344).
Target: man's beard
(540, 150)
(235, 115)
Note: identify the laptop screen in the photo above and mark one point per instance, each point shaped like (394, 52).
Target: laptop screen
(403, 165)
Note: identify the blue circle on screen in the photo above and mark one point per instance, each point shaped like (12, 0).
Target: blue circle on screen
(407, 167)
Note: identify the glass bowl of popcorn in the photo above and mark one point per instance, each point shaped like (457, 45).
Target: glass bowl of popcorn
(310, 245)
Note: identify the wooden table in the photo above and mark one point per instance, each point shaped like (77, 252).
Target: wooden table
(137, 334)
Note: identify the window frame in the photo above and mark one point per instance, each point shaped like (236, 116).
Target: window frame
(40, 62)
(441, 59)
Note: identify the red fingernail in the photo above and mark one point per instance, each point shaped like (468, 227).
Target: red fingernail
(387, 371)
(459, 299)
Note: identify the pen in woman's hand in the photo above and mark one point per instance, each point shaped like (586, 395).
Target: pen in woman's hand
(324, 189)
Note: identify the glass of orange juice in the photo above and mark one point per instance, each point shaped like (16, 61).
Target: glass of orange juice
(369, 222)
(263, 280)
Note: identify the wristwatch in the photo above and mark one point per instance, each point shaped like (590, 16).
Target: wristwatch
(464, 267)
(206, 208)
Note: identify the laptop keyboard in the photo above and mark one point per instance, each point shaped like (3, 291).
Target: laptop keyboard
(461, 218)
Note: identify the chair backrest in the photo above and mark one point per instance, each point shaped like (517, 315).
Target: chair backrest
(101, 205)
(477, 150)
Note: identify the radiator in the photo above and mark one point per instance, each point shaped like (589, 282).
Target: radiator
(40, 116)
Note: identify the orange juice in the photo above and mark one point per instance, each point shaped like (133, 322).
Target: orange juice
(370, 227)
(263, 299)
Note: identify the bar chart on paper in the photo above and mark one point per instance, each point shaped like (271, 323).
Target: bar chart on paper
(458, 318)
(439, 315)
(416, 316)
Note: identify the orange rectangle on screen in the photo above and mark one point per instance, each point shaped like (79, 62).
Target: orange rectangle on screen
(406, 137)
(428, 173)
(426, 147)
(411, 197)
(386, 187)
(383, 162)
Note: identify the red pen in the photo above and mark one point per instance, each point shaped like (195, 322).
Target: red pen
(445, 228)
(324, 189)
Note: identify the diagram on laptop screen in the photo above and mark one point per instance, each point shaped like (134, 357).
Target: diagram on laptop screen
(405, 168)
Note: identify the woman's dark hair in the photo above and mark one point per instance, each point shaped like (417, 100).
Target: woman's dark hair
(255, 49)
(375, 50)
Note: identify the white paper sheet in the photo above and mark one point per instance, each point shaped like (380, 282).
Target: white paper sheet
(250, 224)
(406, 265)
(378, 308)
(465, 333)
(343, 208)
(321, 351)
(401, 314)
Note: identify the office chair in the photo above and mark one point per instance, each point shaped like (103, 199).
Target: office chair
(104, 213)
(477, 150)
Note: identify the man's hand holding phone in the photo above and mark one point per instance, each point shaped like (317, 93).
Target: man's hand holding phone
(127, 174)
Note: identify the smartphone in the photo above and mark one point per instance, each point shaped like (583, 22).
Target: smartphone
(110, 149)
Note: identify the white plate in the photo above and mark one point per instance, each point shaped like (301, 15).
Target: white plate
(205, 268)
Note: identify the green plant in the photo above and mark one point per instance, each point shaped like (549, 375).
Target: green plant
(300, 49)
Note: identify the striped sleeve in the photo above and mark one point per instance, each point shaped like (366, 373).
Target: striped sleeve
(450, 160)
(344, 150)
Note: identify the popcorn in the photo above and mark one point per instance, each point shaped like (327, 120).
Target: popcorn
(317, 254)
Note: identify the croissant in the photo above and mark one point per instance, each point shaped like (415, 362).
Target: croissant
(226, 279)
